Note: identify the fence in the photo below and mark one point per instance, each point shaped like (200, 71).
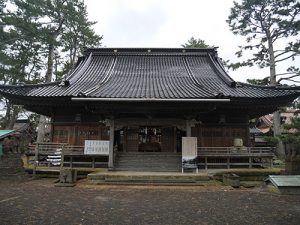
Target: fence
(229, 157)
(44, 155)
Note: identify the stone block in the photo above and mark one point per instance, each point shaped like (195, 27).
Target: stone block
(231, 179)
(67, 175)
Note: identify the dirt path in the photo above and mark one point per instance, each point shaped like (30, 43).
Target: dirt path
(39, 202)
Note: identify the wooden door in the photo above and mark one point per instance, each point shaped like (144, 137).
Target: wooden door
(168, 139)
(132, 139)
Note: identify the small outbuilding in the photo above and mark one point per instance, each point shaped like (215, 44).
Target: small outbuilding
(285, 184)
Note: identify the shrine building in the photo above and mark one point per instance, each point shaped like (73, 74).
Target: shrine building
(144, 100)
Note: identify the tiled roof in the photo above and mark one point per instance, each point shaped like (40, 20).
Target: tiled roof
(148, 73)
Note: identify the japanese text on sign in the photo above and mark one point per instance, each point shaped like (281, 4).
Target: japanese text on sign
(92, 147)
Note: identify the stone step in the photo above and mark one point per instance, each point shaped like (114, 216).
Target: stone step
(145, 160)
(149, 164)
(141, 166)
(148, 156)
(147, 169)
(153, 161)
(167, 181)
(138, 162)
(146, 178)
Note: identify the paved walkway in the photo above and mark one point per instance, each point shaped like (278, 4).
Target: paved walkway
(39, 202)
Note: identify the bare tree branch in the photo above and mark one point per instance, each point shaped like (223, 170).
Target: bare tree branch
(288, 57)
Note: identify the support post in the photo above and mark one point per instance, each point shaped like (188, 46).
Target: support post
(228, 163)
(188, 128)
(271, 163)
(111, 144)
(93, 162)
(36, 159)
(250, 162)
(175, 139)
(205, 162)
(62, 158)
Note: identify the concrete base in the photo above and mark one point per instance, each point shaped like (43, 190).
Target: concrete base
(147, 178)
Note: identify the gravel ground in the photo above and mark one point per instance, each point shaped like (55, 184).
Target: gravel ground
(39, 202)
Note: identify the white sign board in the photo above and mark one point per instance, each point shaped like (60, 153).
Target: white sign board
(92, 147)
(189, 153)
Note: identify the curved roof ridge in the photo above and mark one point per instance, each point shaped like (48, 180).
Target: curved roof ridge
(192, 76)
(80, 69)
(104, 80)
(221, 73)
(224, 72)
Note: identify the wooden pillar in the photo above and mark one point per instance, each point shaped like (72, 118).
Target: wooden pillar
(125, 139)
(228, 163)
(188, 128)
(93, 162)
(36, 159)
(175, 139)
(271, 162)
(111, 144)
(62, 158)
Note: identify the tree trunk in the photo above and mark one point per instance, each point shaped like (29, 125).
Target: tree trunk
(42, 120)
(276, 115)
(50, 63)
(6, 118)
(13, 117)
(41, 129)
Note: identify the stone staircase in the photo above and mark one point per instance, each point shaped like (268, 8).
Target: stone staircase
(148, 161)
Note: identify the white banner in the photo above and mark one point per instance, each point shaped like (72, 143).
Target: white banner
(189, 152)
(92, 147)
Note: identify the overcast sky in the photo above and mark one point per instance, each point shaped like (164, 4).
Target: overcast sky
(169, 23)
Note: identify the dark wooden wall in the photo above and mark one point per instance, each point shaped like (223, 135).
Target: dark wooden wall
(222, 136)
(76, 134)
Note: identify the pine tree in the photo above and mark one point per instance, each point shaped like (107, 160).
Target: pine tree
(37, 33)
(195, 43)
(264, 23)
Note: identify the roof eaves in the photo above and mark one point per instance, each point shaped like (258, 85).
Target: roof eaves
(221, 73)
(284, 88)
(86, 99)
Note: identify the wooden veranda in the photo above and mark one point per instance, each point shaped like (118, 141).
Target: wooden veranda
(208, 157)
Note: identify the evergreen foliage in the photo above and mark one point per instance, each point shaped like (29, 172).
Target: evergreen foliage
(37, 36)
(265, 23)
(292, 139)
(195, 43)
